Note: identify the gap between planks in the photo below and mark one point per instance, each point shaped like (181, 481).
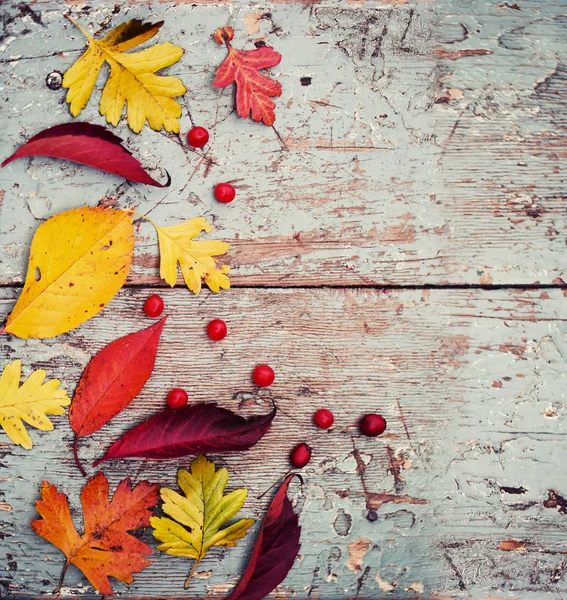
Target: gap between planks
(358, 286)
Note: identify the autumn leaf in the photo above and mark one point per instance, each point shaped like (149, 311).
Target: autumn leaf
(196, 258)
(112, 379)
(30, 402)
(253, 90)
(203, 427)
(105, 549)
(86, 144)
(274, 552)
(132, 78)
(79, 259)
(196, 517)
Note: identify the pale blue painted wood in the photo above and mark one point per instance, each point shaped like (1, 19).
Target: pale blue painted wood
(398, 165)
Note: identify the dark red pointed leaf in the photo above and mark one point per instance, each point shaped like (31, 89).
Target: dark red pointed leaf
(194, 429)
(274, 552)
(112, 379)
(87, 144)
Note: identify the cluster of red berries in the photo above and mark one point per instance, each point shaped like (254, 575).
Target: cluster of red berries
(370, 425)
(197, 138)
(263, 376)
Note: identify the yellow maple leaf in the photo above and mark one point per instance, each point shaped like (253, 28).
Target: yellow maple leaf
(197, 516)
(79, 259)
(132, 78)
(30, 402)
(195, 258)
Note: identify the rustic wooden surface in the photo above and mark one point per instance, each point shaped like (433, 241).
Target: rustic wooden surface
(398, 246)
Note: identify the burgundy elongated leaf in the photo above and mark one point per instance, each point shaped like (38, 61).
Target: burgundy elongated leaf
(112, 379)
(87, 144)
(194, 429)
(274, 552)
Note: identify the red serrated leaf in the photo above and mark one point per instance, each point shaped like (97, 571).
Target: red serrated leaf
(87, 144)
(253, 90)
(274, 552)
(105, 549)
(112, 379)
(194, 429)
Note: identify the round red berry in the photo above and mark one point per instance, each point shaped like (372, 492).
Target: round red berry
(225, 193)
(198, 137)
(216, 330)
(177, 398)
(373, 425)
(153, 306)
(300, 455)
(323, 418)
(263, 375)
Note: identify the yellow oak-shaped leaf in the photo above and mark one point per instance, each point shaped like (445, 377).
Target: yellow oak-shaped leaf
(196, 260)
(132, 78)
(30, 402)
(79, 259)
(196, 517)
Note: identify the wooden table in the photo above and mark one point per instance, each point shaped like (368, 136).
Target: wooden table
(398, 246)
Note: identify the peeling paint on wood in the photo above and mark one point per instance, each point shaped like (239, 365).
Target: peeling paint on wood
(480, 463)
(417, 145)
(372, 176)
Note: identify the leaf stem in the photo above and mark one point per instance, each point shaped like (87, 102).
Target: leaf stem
(76, 455)
(58, 588)
(273, 485)
(191, 573)
(79, 27)
(134, 212)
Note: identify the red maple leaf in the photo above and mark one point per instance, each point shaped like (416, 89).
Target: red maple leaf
(253, 90)
(106, 548)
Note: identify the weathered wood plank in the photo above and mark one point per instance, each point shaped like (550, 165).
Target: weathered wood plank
(417, 143)
(468, 480)
(426, 149)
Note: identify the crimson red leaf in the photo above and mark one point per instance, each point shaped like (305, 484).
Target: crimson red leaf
(112, 379)
(274, 552)
(194, 429)
(90, 145)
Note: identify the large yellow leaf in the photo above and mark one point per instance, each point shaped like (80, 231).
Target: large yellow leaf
(196, 517)
(30, 403)
(196, 260)
(79, 259)
(132, 78)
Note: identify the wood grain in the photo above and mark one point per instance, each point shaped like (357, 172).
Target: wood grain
(417, 145)
(399, 163)
(471, 384)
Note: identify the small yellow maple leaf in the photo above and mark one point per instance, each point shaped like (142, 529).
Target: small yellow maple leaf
(197, 516)
(30, 402)
(132, 78)
(195, 258)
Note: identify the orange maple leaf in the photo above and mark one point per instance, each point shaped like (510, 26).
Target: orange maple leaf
(253, 90)
(106, 548)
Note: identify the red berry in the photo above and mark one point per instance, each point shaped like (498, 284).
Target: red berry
(372, 425)
(323, 418)
(198, 137)
(300, 455)
(177, 398)
(217, 330)
(225, 193)
(153, 306)
(263, 375)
